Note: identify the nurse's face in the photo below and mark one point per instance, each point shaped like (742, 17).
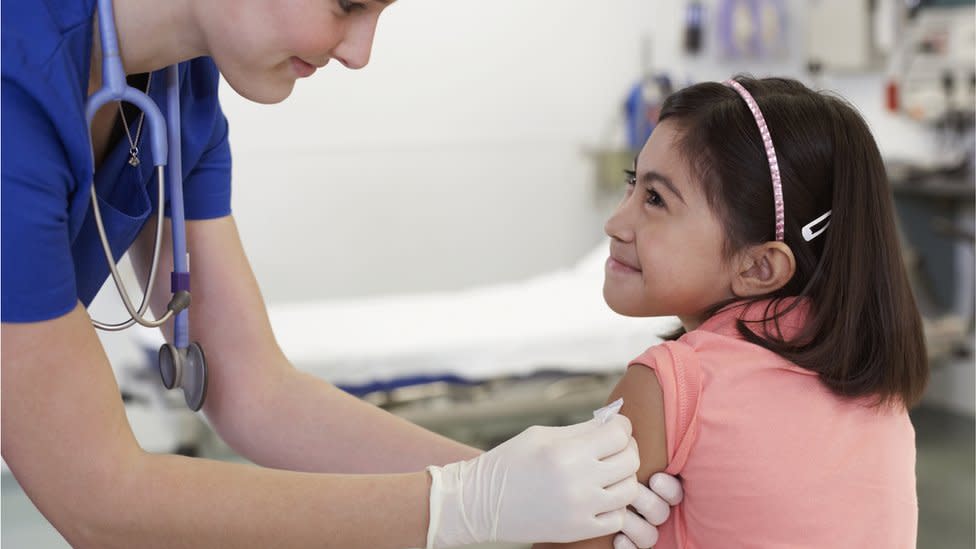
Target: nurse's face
(263, 46)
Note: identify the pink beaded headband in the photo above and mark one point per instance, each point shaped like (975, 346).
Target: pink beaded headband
(770, 155)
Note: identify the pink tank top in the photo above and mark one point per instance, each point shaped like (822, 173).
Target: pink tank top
(769, 457)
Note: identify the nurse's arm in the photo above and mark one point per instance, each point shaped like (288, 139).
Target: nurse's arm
(263, 407)
(66, 439)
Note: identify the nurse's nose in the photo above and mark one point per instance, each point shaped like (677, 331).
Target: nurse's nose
(356, 46)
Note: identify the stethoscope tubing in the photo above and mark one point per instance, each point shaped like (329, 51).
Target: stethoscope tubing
(136, 316)
(181, 260)
(161, 130)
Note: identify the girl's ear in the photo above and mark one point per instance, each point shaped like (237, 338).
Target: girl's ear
(763, 269)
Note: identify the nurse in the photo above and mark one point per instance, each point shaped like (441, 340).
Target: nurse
(332, 470)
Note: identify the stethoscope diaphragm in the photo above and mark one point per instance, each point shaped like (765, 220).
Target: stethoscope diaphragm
(186, 369)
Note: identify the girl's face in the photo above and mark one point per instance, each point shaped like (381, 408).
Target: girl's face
(666, 249)
(263, 46)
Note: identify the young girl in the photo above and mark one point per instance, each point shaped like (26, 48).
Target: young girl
(759, 213)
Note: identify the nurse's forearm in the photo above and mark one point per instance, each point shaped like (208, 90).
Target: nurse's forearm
(66, 438)
(172, 501)
(300, 422)
(264, 408)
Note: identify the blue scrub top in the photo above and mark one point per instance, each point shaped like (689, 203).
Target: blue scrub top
(51, 254)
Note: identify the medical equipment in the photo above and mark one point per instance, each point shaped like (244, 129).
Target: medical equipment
(932, 75)
(694, 28)
(842, 36)
(182, 363)
(643, 106)
(755, 29)
(644, 100)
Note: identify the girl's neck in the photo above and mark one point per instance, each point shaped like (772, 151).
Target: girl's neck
(690, 323)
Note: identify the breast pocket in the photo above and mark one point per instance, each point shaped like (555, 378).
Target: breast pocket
(124, 211)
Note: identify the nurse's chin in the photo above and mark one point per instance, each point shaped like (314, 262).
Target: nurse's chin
(271, 89)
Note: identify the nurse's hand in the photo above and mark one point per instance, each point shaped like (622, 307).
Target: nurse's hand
(547, 484)
(653, 507)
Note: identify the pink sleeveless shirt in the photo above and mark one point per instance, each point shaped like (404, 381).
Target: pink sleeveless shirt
(769, 457)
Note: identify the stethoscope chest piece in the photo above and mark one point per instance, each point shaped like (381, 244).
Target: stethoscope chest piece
(186, 369)
(181, 365)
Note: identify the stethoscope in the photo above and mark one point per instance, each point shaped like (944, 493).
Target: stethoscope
(181, 364)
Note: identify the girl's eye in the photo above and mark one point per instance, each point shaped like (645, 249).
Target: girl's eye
(654, 199)
(631, 177)
(350, 7)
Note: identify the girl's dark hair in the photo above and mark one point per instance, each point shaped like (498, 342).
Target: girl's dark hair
(863, 335)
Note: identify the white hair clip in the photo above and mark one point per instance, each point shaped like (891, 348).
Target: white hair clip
(807, 230)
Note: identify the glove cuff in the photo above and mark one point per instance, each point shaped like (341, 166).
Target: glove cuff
(448, 526)
(435, 505)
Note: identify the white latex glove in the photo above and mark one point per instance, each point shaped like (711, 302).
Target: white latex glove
(653, 507)
(554, 484)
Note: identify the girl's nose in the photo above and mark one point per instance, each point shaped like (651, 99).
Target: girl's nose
(618, 227)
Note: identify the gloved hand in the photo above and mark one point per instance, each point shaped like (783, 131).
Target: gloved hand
(653, 507)
(554, 484)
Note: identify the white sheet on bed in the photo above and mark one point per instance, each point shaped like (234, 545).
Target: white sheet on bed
(556, 321)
